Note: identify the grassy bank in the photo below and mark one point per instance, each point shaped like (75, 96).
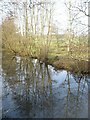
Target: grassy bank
(60, 62)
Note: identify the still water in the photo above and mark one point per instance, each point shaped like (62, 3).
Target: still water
(32, 89)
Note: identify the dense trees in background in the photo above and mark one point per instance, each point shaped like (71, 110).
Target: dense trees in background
(29, 29)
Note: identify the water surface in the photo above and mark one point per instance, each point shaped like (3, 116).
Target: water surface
(32, 89)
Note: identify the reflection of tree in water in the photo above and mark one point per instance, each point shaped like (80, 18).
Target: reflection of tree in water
(31, 86)
(75, 101)
(33, 91)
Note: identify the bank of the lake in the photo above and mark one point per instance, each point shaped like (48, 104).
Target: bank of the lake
(59, 62)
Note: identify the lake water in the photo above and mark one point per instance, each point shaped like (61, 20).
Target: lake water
(32, 89)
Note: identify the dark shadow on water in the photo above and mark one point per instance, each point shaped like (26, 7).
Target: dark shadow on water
(32, 89)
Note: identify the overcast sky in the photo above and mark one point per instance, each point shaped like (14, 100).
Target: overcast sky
(60, 15)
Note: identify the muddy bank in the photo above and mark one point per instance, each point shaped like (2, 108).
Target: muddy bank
(70, 64)
(59, 63)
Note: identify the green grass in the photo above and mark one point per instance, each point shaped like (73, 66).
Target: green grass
(37, 46)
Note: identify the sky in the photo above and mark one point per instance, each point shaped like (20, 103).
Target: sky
(60, 15)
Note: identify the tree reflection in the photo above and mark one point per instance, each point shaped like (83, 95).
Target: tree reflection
(34, 93)
(75, 100)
